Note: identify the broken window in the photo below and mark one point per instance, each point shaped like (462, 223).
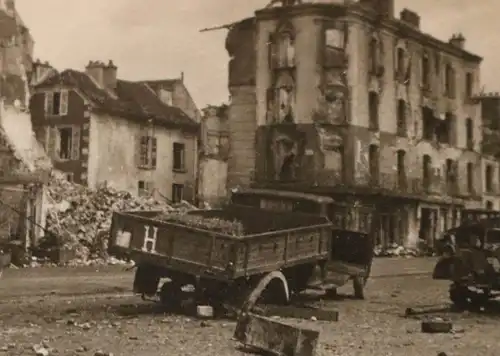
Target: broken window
(469, 132)
(335, 42)
(470, 177)
(427, 171)
(335, 37)
(373, 56)
(179, 163)
(443, 129)
(177, 193)
(282, 47)
(373, 106)
(488, 176)
(56, 102)
(400, 63)
(450, 174)
(428, 121)
(426, 71)
(147, 152)
(489, 205)
(401, 168)
(449, 81)
(468, 85)
(401, 118)
(283, 100)
(373, 161)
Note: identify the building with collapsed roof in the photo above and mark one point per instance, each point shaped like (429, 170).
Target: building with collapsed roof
(24, 166)
(99, 129)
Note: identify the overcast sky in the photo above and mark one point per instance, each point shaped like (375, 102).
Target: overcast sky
(152, 39)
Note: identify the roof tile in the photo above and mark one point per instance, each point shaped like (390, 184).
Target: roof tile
(133, 100)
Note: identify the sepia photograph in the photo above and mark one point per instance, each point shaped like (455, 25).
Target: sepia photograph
(142, 144)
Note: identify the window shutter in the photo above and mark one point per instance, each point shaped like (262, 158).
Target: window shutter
(137, 151)
(75, 143)
(183, 156)
(49, 102)
(154, 148)
(63, 105)
(51, 142)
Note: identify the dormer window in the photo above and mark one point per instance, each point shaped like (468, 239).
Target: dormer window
(166, 97)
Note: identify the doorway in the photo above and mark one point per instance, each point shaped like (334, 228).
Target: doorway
(427, 230)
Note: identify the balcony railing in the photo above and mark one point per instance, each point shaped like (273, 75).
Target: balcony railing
(395, 184)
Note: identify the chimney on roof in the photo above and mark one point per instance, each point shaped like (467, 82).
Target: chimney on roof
(457, 40)
(410, 18)
(95, 69)
(103, 74)
(182, 77)
(109, 75)
(40, 70)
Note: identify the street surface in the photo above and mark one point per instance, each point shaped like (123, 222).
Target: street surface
(80, 311)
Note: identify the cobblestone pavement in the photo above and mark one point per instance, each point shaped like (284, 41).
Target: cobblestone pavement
(122, 324)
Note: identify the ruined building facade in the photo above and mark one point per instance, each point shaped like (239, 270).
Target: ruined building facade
(490, 108)
(350, 101)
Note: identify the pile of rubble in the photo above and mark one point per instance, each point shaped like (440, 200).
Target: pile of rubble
(396, 250)
(79, 218)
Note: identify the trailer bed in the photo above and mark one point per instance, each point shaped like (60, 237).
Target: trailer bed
(271, 240)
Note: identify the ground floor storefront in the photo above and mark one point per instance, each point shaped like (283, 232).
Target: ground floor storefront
(409, 222)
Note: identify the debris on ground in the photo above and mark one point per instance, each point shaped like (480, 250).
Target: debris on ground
(397, 250)
(79, 220)
(436, 325)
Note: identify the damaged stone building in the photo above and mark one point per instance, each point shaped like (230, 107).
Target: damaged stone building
(214, 154)
(24, 167)
(490, 108)
(356, 103)
(101, 130)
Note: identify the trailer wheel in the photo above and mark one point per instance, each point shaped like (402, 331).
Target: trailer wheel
(171, 294)
(459, 296)
(276, 277)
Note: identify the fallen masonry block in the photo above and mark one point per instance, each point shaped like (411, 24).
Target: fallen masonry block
(204, 311)
(437, 325)
(299, 312)
(275, 337)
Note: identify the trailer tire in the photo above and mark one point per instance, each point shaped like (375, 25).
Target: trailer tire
(254, 295)
(170, 295)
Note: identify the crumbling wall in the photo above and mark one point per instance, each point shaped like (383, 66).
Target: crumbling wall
(240, 44)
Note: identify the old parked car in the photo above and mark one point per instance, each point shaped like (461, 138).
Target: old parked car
(470, 257)
(291, 241)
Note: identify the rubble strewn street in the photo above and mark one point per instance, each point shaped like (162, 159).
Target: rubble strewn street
(79, 218)
(98, 323)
